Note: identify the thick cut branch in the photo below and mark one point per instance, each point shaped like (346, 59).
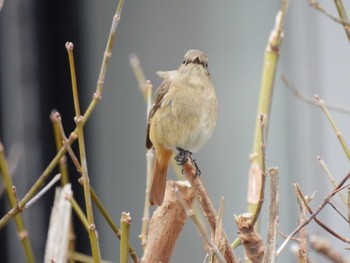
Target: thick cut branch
(251, 240)
(166, 224)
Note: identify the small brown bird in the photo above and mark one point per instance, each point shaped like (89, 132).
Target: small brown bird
(182, 117)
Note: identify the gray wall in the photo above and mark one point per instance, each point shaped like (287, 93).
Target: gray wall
(234, 34)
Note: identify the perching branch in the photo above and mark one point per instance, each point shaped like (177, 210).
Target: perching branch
(207, 206)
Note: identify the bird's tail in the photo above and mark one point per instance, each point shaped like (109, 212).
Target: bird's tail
(157, 188)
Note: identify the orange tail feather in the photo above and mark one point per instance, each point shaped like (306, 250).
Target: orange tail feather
(157, 190)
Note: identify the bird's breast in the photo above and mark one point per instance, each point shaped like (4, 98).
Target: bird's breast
(187, 116)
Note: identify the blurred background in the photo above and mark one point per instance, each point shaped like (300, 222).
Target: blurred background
(34, 79)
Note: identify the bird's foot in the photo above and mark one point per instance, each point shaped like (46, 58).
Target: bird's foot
(182, 157)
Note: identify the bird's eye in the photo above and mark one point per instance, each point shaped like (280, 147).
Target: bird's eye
(184, 62)
(206, 65)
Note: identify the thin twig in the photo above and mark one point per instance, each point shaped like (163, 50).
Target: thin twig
(311, 100)
(319, 208)
(219, 239)
(80, 213)
(65, 141)
(343, 16)
(63, 168)
(96, 98)
(140, 76)
(334, 126)
(339, 213)
(43, 191)
(319, 222)
(330, 176)
(79, 257)
(55, 120)
(318, 7)
(94, 196)
(302, 248)
(146, 89)
(13, 201)
(85, 176)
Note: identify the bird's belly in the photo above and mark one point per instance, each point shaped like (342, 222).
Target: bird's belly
(188, 131)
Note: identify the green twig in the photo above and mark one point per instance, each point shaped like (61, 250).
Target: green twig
(263, 173)
(265, 99)
(94, 196)
(21, 230)
(334, 126)
(85, 176)
(79, 257)
(125, 233)
(79, 212)
(96, 98)
(318, 7)
(330, 176)
(111, 223)
(62, 166)
(343, 16)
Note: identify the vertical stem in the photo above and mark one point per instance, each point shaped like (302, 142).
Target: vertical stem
(96, 98)
(63, 168)
(85, 176)
(22, 232)
(265, 99)
(125, 233)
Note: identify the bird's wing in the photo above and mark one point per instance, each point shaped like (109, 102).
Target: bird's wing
(158, 99)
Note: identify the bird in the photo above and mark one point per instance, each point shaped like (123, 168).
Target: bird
(182, 117)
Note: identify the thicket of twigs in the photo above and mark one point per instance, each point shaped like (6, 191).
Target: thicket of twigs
(183, 199)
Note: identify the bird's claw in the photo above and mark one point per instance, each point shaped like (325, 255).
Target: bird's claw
(182, 157)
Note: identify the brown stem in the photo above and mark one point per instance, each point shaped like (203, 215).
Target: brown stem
(319, 208)
(209, 211)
